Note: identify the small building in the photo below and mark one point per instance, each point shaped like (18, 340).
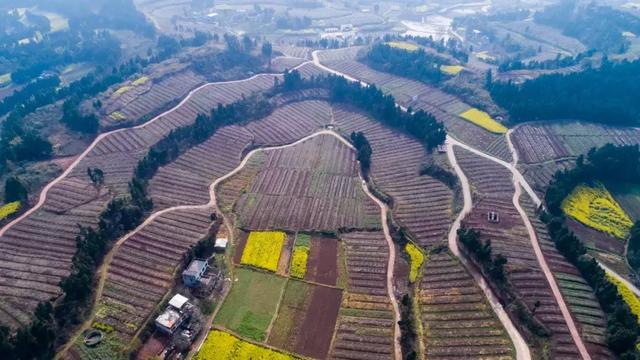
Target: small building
(174, 315)
(442, 149)
(193, 273)
(220, 244)
(493, 217)
(346, 27)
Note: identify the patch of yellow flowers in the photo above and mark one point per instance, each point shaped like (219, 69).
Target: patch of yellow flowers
(221, 345)
(629, 297)
(403, 45)
(596, 208)
(263, 249)
(9, 209)
(417, 258)
(451, 69)
(483, 120)
(299, 261)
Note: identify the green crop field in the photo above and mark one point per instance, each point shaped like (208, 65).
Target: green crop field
(251, 304)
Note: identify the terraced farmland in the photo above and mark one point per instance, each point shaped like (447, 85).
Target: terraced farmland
(365, 322)
(306, 318)
(166, 83)
(538, 143)
(46, 236)
(187, 179)
(446, 108)
(456, 319)
(142, 270)
(313, 186)
(420, 203)
(579, 296)
(493, 192)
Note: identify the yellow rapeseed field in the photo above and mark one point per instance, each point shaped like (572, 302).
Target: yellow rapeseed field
(403, 45)
(483, 120)
(140, 81)
(299, 261)
(9, 209)
(123, 90)
(629, 297)
(263, 249)
(221, 345)
(596, 208)
(416, 260)
(451, 69)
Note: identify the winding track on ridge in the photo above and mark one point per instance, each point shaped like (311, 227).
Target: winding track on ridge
(213, 205)
(43, 194)
(519, 182)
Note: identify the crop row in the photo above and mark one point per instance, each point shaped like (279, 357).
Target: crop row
(539, 143)
(365, 324)
(49, 233)
(312, 186)
(187, 179)
(411, 93)
(456, 318)
(142, 269)
(579, 296)
(421, 203)
(509, 237)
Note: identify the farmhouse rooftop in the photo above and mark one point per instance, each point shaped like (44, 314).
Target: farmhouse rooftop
(178, 301)
(194, 269)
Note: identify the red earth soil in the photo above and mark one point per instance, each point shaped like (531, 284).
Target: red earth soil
(322, 265)
(317, 328)
(242, 242)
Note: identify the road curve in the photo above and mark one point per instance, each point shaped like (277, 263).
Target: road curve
(522, 350)
(384, 209)
(212, 204)
(518, 180)
(43, 194)
(520, 345)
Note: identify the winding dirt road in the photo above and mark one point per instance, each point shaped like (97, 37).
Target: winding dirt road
(519, 180)
(520, 345)
(43, 194)
(522, 349)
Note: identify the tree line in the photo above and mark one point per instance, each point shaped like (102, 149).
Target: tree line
(558, 63)
(121, 215)
(493, 266)
(452, 46)
(598, 27)
(609, 163)
(417, 64)
(419, 125)
(606, 95)
(363, 150)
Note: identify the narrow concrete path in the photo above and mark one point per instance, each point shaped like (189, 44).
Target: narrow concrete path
(383, 209)
(520, 345)
(522, 349)
(518, 180)
(43, 194)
